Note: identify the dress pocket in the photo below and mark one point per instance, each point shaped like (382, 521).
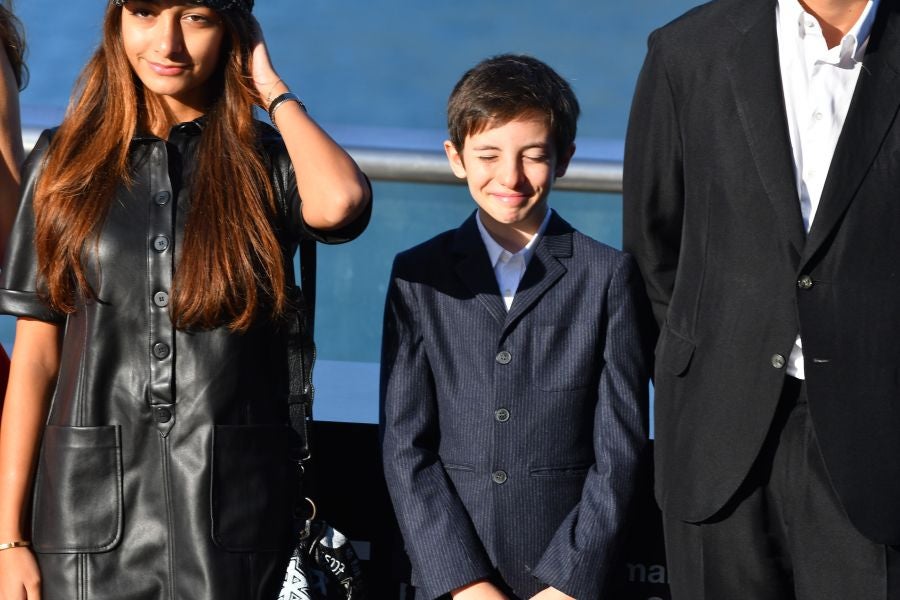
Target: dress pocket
(251, 493)
(78, 490)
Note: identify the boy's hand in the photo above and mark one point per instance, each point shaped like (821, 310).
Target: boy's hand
(480, 590)
(551, 594)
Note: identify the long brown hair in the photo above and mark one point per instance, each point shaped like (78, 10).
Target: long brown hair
(13, 40)
(231, 262)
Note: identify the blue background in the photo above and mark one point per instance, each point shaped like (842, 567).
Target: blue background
(392, 64)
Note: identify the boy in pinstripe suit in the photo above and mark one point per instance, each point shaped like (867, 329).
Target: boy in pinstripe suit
(514, 369)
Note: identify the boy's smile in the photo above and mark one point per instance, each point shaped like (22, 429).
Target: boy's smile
(510, 170)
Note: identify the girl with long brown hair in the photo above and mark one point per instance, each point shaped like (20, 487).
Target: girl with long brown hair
(145, 426)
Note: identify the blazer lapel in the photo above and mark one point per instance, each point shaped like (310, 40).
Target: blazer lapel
(473, 266)
(756, 81)
(872, 111)
(544, 268)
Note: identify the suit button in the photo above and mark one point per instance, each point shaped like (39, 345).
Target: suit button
(162, 414)
(162, 198)
(503, 357)
(499, 477)
(160, 243)
(161, 299)
(160, 350)
(778, 361)
(502, 415)
(805, 282)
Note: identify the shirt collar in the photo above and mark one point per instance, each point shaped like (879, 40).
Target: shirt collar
(188, 128)
(863, 27)
(496, 251)
(793, 18)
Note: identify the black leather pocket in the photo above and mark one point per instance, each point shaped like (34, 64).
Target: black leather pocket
(78, 490)
(674, 352)
(251, 491)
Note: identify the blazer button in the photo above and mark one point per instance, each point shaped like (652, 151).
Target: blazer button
(499, 477)
(778, 361)
(162, 414)
(161, 299)
(502, 415)
(805, 282)
(162, 198)
(160, 350)
(160, 243)
(503, 357)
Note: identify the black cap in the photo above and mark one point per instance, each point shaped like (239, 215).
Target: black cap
(244, 6)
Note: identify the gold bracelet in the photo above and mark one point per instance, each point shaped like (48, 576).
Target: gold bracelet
(10, 545)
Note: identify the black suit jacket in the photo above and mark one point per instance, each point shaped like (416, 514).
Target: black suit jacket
(713, 217)
(511, 440)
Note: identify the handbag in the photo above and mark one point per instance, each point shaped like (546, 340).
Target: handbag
(323, 565)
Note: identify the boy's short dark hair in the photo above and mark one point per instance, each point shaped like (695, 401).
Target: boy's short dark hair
(502, 88)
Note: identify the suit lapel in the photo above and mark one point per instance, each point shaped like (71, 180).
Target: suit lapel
(872, 112)
(756, 81)
(544, 268)
(473, 266)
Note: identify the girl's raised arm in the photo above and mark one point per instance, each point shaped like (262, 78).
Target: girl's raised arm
(333, 189)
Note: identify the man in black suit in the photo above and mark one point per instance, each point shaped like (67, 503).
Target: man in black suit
(762, 201)
(514, 369)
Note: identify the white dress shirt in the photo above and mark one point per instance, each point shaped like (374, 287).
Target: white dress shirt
(818, 84)
(508, 267)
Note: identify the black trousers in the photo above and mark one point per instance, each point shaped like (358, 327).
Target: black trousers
(784, 536)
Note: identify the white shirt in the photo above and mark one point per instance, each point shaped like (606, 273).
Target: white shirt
(818, 85)
(508, 267)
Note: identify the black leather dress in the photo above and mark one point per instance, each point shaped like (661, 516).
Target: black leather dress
(164, 469)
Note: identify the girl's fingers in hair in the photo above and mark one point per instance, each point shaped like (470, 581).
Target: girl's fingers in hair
(263, 73)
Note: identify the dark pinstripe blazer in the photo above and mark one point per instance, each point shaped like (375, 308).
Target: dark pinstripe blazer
(511, 439)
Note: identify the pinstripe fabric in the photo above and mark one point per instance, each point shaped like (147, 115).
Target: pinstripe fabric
(568, 365)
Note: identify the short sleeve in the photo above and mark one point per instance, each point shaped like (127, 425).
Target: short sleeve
(285, 184)
(345, 234)
(19, 291)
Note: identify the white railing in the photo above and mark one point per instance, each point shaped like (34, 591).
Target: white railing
(416, 156)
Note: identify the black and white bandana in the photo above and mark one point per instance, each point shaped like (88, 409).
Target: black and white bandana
(244, 6)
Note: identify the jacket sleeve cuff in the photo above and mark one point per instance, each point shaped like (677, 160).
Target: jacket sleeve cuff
(576, 578)
(448, 577)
